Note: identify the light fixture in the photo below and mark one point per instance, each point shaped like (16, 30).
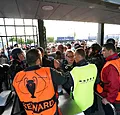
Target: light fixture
(47, 8)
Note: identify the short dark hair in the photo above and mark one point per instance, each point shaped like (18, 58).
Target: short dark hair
(96, 47)
(110, 40)
(110, 46)
(81, 52)
(77, 45)
(32, 55)
(68, 45)
(41, 49)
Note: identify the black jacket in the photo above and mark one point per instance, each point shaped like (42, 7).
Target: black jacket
(70, 82)
(98, 60)
(15, 67)
(66, 67)
(47, 63)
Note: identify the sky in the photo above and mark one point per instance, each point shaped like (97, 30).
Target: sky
(81, 29)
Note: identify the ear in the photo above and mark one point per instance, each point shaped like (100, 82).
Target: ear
(18, 56)
(38, 62)
(80, 57)
(111, 51)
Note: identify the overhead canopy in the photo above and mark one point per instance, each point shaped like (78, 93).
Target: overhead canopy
(70, 10)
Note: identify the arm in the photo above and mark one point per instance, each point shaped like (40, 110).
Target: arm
(113, 86)
(60, 78)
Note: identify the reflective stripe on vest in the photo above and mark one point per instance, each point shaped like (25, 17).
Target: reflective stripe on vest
(84, 79)
(35, 90)
(116, 64)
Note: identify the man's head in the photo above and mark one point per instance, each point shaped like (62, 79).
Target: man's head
(96, 47)
(18, 54)
(15, 45)
(68, 46)
(34, 57)
(110, 40)
(108, 49)
(77, 45)
(41, 50)
(61, 48)
(79, 55)
(53, 49)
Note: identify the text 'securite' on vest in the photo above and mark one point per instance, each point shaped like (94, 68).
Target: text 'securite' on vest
(35, 90)
(84, 78)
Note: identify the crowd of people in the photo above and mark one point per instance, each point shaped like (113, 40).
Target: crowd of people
(41, 75)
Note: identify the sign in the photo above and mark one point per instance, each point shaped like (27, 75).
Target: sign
(65, 38)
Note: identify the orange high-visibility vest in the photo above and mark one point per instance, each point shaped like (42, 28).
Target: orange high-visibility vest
(116, 64)
(36, 91)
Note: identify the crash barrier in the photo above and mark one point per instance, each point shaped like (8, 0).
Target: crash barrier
(6, 99)
(4, 77)
(9, 104)
(68, 106)
(109, 105)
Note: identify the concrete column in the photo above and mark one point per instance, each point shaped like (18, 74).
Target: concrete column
(100, 38)
(42, 34)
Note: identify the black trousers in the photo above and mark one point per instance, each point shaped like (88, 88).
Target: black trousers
(88, 111)
(94, 107)
(107, 110)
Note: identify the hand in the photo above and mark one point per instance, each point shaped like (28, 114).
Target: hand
(56, 64)
(105, 101)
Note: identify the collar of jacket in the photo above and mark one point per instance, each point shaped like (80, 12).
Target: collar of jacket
(82, 63)
(112, 57)
(33, 68)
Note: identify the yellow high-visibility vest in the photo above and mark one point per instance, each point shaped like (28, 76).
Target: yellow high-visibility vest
(84, 78)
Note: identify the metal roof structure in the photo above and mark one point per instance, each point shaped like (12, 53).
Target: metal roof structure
(70, 10)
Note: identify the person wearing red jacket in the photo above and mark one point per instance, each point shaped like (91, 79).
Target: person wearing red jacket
(110, 77)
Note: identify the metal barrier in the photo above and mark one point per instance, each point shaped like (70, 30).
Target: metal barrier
(109, 104)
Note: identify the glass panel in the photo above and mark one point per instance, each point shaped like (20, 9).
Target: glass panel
(10, 42)
(10, 31)
(27, 38)
(28, 21)
(9, 21)
(34, 30)
(20, 30)
(2, 31)
(23, 38)
(35, 23)
(1, 46)
(19, 40)
(29, 30)
(18, 21)
(1, 21)
(35, 37)
(4, 41)
(112, 31)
